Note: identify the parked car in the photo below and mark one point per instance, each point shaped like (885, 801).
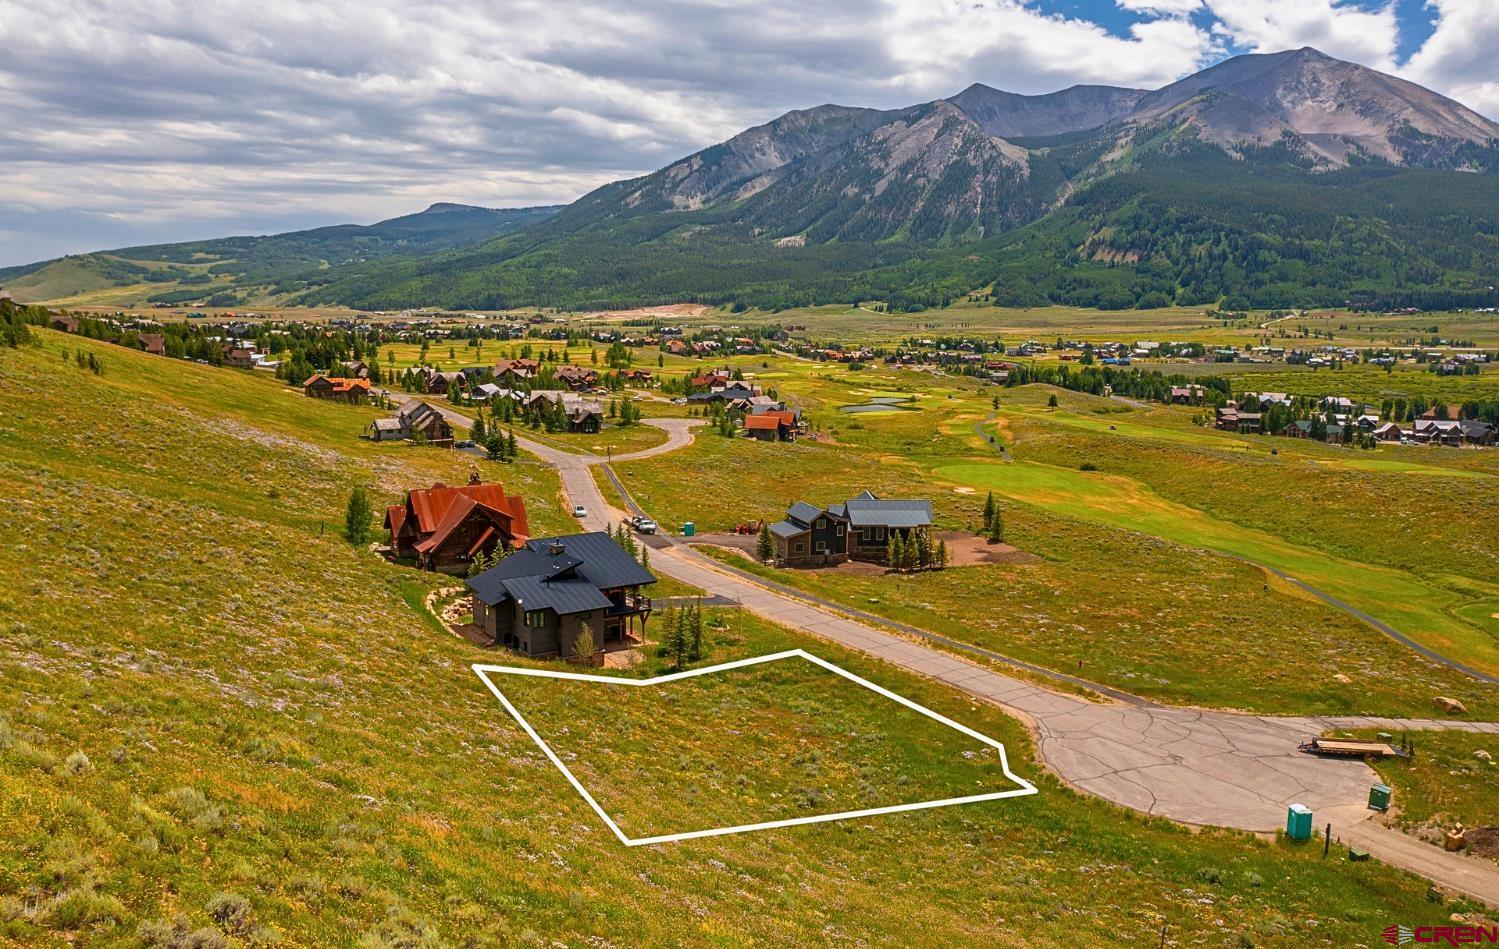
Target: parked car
(465, 443)
(644, 525)
(579, 511)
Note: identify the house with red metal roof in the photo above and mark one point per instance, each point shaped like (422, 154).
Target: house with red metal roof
(336, 388)
(445, 528)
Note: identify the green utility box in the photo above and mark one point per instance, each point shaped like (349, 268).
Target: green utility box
(1379, 797)
(1299, 822)
(1357, 855)
(689, 529)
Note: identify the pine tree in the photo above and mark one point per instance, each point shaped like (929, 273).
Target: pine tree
(765, 547)
(675, 637)
(997, 528)
(941, 555)
(897, 551)
(695, 632)
(514, 450)
(989, 510)
(358, 517)
(477, 432)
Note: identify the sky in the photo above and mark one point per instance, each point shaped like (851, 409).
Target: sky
(143, 121)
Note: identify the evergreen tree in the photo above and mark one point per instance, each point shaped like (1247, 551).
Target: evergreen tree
(997, 528)
(989, 510)
(941, 555)
(695, 631)
(514, 449)
(359, 517)
(765, 547)
(477, 432)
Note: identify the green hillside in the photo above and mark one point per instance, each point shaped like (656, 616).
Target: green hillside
(259, 268)
(224, 724)
(1192, 229)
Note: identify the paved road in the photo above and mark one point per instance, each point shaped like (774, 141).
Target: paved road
(1192, 765)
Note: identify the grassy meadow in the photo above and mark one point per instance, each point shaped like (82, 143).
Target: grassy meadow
(1135, 580)
(223, 724)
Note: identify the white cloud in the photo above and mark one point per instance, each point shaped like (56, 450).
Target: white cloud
(1160, 7)
(1340, 29)
(270, 110)
(1459, 58)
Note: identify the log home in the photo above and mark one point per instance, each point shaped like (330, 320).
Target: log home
(444, 528)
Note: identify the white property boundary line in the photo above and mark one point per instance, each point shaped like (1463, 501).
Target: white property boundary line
(483, 671)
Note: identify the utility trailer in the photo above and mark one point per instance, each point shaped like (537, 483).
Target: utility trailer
(1351, 748)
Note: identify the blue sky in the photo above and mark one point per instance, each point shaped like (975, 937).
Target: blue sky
(148, 121)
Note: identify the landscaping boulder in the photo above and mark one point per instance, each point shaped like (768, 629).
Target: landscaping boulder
(1340, 678)
(1482, 755)
(1450, 705)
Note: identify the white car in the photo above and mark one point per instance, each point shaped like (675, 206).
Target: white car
(645, 525)
(579, 511)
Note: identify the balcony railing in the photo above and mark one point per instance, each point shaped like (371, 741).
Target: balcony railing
(631, 603)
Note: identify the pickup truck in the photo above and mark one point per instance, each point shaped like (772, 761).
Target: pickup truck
(643, 525)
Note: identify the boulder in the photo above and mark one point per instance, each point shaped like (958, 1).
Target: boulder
(1450, 705)
(1342, 679)
(1482, 755)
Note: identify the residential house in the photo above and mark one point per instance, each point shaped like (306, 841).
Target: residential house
(441, 383)
(1389, 432)
(576, 378)
(1475, 432)
(536, 600)
(1186, 395)
(509, 371)
(66, 324)
(858, 529)
(771, 425)
(583, 415)
(810, 536)
(154, 343)
(415, 420)
(1302, 428)
(240, 355)
(444, 528)
(337, 388)
(1438, 431)
(356, 369)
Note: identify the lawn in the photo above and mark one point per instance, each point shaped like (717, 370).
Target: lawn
(220, 717)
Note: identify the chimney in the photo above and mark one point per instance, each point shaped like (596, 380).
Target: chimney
(557, 548)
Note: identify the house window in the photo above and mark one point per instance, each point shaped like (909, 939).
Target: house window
(879, 533)
(535, 619)
(840, 530)
(800, 547)
(821, 547)
(822, 524)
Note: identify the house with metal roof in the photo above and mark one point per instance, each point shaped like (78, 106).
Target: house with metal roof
(858, 529)
(445, 528)
(537, 599)
(414, 420)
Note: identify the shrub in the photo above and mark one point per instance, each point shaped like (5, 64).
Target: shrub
(1087, 466)
(230, 910)
(76, 908)
(177, 934)
(78, 765)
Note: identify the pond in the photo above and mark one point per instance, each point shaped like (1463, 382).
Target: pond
(882, 404)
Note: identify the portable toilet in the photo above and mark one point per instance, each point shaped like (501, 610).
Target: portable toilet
(1299, 822)
(1379, 797)
(689, 529)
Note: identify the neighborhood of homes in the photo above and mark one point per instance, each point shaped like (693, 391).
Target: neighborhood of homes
(1337, 420)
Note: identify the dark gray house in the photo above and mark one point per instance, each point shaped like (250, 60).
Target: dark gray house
(810, 536)
(858, 529)
(872, 520)
(536, 600)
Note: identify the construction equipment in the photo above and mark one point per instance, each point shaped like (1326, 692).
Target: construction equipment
(754, 528)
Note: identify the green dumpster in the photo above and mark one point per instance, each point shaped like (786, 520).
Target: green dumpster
(1299, 822)
(689, 529)
(1379, 797)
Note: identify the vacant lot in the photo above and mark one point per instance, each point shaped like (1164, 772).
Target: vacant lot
(791, 740)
